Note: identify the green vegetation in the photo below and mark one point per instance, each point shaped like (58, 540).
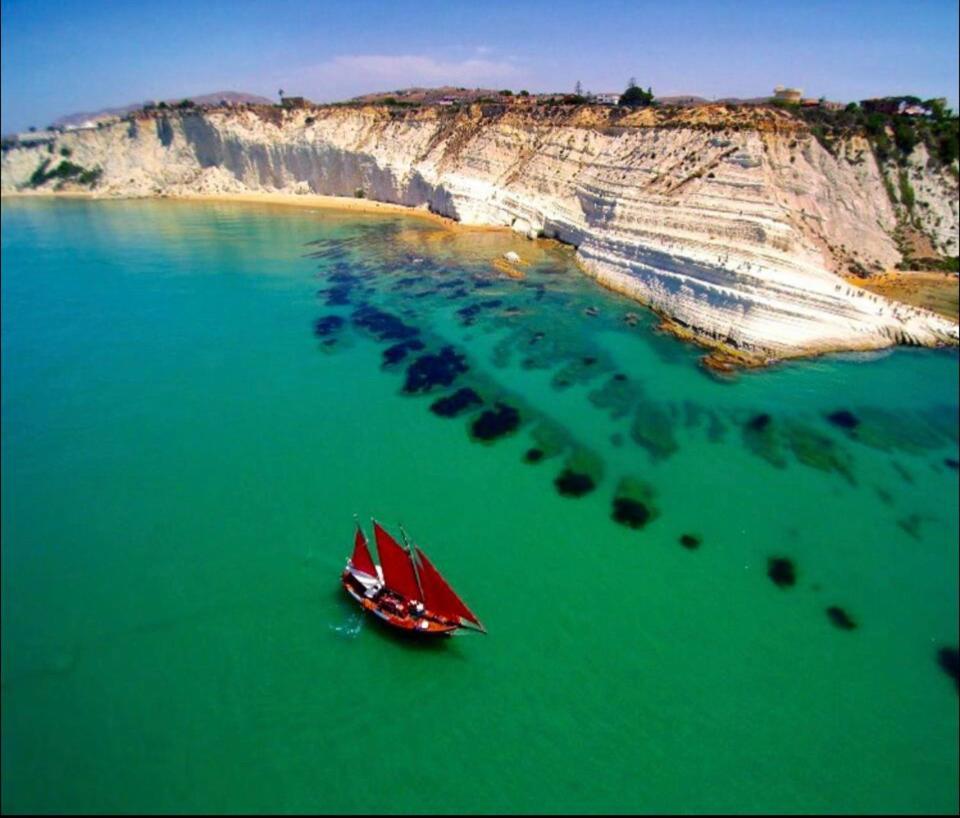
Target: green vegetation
(524, 94)
(907, 197)
(90, 177)
(891, 191)
(946, 264)
(39, 176)
(905, 135)
(63, 172)
(893, 136)
(635, 96)
(65, 152)
(506, 92)
(359, 193)
(186, 103)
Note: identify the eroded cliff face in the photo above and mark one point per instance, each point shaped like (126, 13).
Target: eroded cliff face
(734, 223)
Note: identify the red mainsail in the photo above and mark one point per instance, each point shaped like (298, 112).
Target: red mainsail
(440, 597)
(361, 558)
(398, 572)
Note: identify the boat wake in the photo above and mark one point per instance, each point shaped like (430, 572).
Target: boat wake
(350, 629)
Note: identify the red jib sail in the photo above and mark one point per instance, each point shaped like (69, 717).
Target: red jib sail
(361, 559)
(398, 574)
(440, 598)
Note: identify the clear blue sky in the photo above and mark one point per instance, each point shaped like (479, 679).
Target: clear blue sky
(67, 56)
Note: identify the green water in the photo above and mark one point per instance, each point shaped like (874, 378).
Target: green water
(183, 454)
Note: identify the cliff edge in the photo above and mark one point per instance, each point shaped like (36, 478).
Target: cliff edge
(736, 224)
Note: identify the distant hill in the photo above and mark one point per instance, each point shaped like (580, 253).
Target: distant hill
(428, 95)
(200, 99)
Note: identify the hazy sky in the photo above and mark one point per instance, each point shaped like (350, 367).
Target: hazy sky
(67, 56)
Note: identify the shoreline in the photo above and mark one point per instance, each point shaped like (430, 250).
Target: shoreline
(719, 358)
(316, 201)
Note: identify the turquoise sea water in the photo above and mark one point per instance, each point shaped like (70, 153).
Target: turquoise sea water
(184, 447)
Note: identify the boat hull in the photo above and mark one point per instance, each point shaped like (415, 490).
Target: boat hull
(426, 625)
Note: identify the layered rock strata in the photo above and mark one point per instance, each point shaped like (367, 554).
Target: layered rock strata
(736, 224)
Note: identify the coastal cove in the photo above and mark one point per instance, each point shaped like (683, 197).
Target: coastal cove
(702, 594)
(736, 224)
(930, 292)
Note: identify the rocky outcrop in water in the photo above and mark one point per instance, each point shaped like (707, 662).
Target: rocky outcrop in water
(733, 223)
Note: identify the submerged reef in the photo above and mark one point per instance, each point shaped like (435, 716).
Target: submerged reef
(782, 571)
(633, 503)
(495, 423)
(327, 325)
(949, 661)
(434, 369)
(839, 618)
(457, 403)
(573, 484)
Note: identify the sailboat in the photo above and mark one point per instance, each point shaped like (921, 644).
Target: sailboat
(405, 590)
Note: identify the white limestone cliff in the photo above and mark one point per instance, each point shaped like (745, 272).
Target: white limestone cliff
(732, 224)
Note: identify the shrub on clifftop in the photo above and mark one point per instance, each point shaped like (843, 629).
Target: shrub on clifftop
(636, 97)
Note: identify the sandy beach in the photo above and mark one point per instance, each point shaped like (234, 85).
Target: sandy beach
(302, 200)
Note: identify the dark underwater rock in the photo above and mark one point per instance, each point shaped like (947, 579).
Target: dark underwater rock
(782, 571)
(471, 311)
(839, 618)
(631, 513)
(949, 661)
(430, 370)
(759, 422)
(396, 353)
(327, 325)
(338, 296)
(844, 419)
(951, 463)
(407, 281)
(533, 455)
(455, 404)
(633, 504)
(690, 541)
(573, 484)
(495, 423)
(383, 325)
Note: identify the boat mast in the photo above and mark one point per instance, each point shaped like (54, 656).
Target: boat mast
(413, 560)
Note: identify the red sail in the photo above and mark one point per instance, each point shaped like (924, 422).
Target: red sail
(440, 598)
(361, 558)
(398, 574)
